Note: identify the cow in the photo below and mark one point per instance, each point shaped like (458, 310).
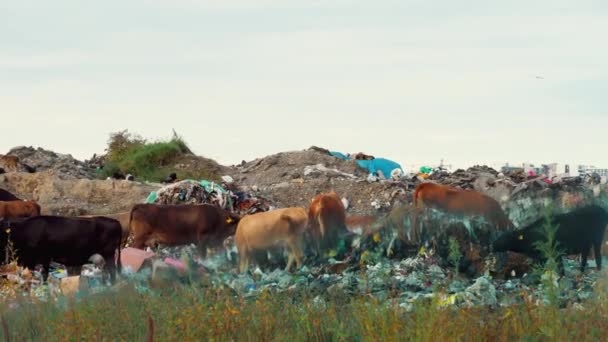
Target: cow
(265, 230)
(19, 209)
(459, 202)
(577, 231)
(327, 220)
(67, 240)
(123, 218)
(174, 225)
(6, 196)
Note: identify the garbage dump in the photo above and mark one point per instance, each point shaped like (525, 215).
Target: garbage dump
(450, 261)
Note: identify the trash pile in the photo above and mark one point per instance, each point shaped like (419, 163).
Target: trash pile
(64, 165)
(403, 282)
(206, 192)
(364, 272)
(20, 282)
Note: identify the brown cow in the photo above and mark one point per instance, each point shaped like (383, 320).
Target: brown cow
(268, 229)
(460, 202)
(123, 218)
(174, 225)
(19, 209)
(326, 216)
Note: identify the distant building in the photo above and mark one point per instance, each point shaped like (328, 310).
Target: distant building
(589, 170)
(550, 170)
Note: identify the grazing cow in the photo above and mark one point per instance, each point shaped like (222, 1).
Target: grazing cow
(326, 216)
(6, 196)
(18, 209)
(262, 231)
(577, 232)
(123, 218)
(459, 202)
(66, 240)
(174, 225)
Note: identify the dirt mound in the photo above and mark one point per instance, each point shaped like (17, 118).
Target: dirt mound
(291, 165)
(66, 166)
(294, 178)
(59, 196)
(193, 164)
(12, 163)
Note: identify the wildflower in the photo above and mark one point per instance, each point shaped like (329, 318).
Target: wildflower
(376, 237)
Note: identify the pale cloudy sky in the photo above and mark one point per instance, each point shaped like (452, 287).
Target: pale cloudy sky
(413, 81)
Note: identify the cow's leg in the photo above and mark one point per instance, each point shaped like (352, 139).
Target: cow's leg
(202, 245)
(139, 241)
(584, 255)
(597, 250)
(46, 264)
(243, 261)
(560, 265)
(111, 265)
(289, 261)
(297, 252)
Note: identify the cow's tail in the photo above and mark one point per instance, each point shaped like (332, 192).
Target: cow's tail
(118, 262)
(131, 217)
(417, 207)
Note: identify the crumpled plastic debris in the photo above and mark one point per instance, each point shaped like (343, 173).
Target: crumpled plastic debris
(206, 192)
(482, 292)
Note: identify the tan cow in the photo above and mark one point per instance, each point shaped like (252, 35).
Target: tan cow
(18, 209)
(268, 229)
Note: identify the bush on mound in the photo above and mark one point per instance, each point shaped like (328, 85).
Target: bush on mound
(153, 161)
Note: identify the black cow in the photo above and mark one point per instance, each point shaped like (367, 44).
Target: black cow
(70, 241)
(6, 196)
(577, 232)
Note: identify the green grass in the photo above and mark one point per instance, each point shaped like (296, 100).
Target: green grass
(151, 161)
(194, 313)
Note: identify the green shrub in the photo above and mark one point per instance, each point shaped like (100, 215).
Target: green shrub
(151, 161)
(455, 255)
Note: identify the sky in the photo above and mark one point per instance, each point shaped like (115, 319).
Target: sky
(416, 81)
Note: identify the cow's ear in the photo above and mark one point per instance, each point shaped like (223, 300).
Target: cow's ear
(520, 237)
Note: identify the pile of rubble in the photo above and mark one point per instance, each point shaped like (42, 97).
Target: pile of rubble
(206, 192)
(64, 165)
(19, 282)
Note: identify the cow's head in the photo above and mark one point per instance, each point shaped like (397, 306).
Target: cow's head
(519, 241)
(5, 231)
(231, 221)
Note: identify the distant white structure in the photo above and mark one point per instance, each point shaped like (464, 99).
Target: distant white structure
(589, 169)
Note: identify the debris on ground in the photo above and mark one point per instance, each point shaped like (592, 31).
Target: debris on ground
(206, 192)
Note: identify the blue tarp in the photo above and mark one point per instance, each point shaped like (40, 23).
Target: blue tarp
(339, 155)
(384, 165)
(379, 164)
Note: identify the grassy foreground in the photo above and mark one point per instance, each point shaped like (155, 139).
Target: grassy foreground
(185, 313)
